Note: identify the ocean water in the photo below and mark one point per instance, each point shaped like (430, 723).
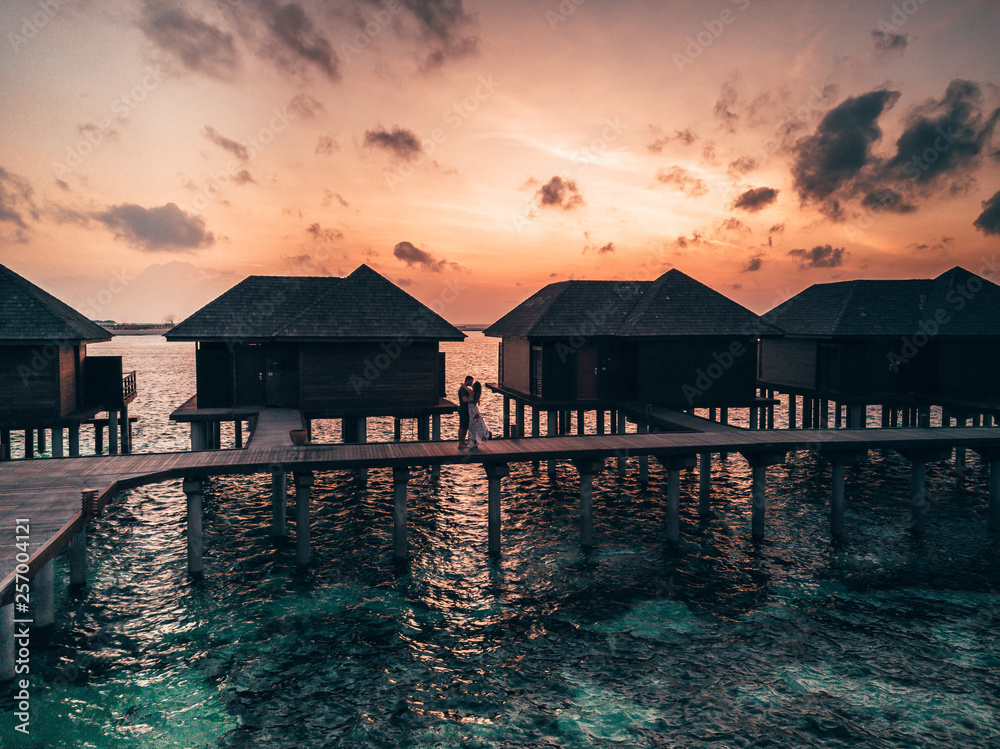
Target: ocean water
(880, 640)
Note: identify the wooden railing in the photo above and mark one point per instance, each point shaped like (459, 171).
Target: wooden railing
(128, 385)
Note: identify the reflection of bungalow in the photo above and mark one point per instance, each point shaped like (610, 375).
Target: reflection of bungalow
(672, 341)
(896, 343)
(47, 381)
(329, 347)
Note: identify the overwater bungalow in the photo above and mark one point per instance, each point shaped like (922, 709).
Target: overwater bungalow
(330, 347)
(902, 344)
(673, 342)
(47, 381)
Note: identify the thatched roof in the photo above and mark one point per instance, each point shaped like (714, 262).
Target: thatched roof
(31, 316)
(363, 306)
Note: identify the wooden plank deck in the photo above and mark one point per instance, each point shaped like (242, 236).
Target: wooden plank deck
(48, 491)
(273, 425)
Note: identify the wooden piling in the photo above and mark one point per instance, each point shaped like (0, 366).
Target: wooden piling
(535, 430)
(599, 421)
(506, 417)
(7, 642)
(279, 491)
(759, 461)
(587, 469)
(238, 434)
(960, 421)
(57, 442)
(112, 432)
(519, 416)
(78, 558)
(551, 429)
(495, 473)
(838, 469)
(792, 398)
(303, 484)
(622, 429)
(43, 594)
(436, 437)
(994, 505)
(29, 444)
(642, 428)
(704, 484)
(918, 497)
(400, 477)
(193, 489)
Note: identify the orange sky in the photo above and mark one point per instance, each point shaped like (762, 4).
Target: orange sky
(155, 154)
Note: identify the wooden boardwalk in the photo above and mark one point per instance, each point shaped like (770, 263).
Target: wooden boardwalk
(48, 492)
(273, 425)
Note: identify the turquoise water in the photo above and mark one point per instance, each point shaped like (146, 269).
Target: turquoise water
(881, 640)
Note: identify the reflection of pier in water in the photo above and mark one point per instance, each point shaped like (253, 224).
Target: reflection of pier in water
(49, 492)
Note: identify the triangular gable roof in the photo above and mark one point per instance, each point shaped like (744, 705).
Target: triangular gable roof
(893, 307)
(673, 305)
(30, 315)
(362, 306)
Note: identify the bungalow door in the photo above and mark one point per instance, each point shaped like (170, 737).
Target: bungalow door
(250, 388)
(282, 376)
(586, 373)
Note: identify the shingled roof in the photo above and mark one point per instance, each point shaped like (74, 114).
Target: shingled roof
(672, 305)
(363, 306)
(31, 316)
(893, 307)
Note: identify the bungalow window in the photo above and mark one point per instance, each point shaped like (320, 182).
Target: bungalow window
(536, 371)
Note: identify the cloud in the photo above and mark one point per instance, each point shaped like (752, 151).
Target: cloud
(741, 166)
(607, 249)
(446, 27)
(944, 136)
(683, 136)
(756, 199)
(683, 180)
(296, 40)
(733, 224)
(199, 46)
(325, 145)
(836, 153)
(889, 42)
(236, 149)
(989, 220)
(402, 143)
(559, 193)
(723, 107)
(165, 227)
(753, 264)
(324, 235)
(821, 256)
(887, 200)
(16, 199)
(414, 256)
(243, 177)
(305, 106)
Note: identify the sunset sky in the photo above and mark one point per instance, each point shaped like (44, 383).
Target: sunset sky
(153, 155)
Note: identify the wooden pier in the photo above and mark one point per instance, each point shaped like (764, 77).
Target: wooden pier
(49, 494)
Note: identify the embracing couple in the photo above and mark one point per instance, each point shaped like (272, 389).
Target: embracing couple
(470, 421)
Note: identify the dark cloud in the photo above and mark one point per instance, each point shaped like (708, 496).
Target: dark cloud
(753, 264)
(447, 28)
(16, 199)
(741, 166)
(324, 235)
(236, 149)
(609, 247)
(733, 224)
(887, 42)
(243, 177)
(305, 106)
(400, 142)
(724, 107)
(777, 228)
(559, 193)
(414, 256)
(989, 220)
(199, 46)
(944, 136)
(683, 180)
(885, 199)
(822, 256)
(326, 145)
(63, 185)
(840, 148)
(165, 227)
(296, 40)
(756, 199)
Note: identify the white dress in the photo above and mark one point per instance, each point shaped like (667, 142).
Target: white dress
(478, 433)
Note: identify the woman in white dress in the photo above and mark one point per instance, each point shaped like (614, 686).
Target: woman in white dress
(478, 432)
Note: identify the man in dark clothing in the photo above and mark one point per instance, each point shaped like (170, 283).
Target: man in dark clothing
(464, 397)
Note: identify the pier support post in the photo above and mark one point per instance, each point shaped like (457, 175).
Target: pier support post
(193, 488)
(622, 429)
(43, 593)
(197, 436)
(806, 412)
(74, 441)
(960, 421)
(57, 442)
(519, 419)
(303, 483)
(792, 402)
(704, 484)
(599, 421)
(112, 432)
(423, 429)
(994, 508)
(495, 472)
(29, 444)
(7, 642)
(436, 437)
(673, 465)
(397, 429)
(759, 461)
(279, 492)
(535, 430)
(587, 469)
(918, 483)
(238, 434)
(551, 428)
(126, 432)
(506, 417)
(4, 444)
(400, 477)
(41, 441)
(839, 461)
(753, 417)
(723, 419)
(641, 428)
(581, 422)
(78, 558)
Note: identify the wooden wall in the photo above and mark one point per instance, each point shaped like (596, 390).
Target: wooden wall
(789, 362)
(368, 374)
(29, 382)
(702, 372)
(214, 375)
(68, 357)
(969, 369)
(516, 366)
